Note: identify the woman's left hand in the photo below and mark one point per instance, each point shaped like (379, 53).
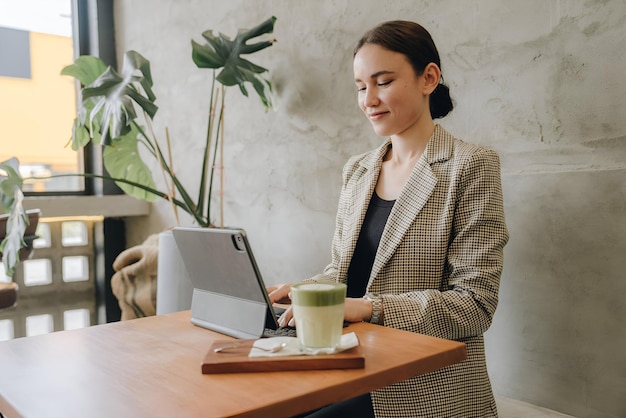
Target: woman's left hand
(357, 310)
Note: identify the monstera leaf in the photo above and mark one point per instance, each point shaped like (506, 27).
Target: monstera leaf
(222, 52)
(122, 161)
(107, 101)
(12, 197)
(85, 69)
(106, 115)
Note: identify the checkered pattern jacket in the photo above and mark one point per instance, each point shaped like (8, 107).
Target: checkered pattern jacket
(437, 269)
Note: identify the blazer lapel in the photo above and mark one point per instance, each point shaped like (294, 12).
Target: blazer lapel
(362, 184)
(412, 199)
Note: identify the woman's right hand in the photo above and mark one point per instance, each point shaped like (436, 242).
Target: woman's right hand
(280, 294)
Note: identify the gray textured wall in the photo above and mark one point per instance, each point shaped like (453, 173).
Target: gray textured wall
(542, 82)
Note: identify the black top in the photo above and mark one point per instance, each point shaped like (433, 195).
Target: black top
(367, 245)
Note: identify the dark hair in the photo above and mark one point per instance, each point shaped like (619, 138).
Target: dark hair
(414, 42)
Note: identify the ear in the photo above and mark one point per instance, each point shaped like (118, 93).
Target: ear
(432, 75)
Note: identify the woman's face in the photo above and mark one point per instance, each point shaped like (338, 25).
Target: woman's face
(390, 94)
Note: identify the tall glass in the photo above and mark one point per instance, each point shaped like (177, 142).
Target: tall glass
(318, 308)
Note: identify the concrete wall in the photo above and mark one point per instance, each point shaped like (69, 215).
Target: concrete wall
(542, 82)
(558, 339)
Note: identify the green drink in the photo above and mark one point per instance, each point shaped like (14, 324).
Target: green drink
(318, 308)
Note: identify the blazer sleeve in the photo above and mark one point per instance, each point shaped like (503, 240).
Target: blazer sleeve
(467, 297)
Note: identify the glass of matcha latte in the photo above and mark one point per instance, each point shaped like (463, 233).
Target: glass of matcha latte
(318, 308)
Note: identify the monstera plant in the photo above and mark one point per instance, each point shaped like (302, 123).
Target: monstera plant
(16, 222)
(116, 112)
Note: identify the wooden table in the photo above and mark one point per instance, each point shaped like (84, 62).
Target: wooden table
(150, 367)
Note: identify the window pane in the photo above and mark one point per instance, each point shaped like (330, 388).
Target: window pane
(3, 275)
(39, 324)
(37, 272)
(76, 318)
(38, 104)
(6, 330)
(74, 233)
(43, 232)
(75, 268)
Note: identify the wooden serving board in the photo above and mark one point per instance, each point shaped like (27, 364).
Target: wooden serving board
(236, 360)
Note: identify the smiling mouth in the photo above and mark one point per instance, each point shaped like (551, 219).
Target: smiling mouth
(376, 115)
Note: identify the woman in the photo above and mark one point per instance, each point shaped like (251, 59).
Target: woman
(420, 228)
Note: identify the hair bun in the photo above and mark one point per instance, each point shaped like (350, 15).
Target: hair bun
(440, 101)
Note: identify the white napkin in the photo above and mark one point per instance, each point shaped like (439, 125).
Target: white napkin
(292, 348)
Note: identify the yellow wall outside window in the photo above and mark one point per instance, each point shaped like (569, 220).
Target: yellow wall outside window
(36, 114)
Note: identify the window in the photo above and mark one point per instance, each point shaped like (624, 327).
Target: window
(37, 272)
(76, 318)
(75, 268)
(6, 329)
(38, 104)
(73, 233)
(39, 324)
(3, 275)
(65, 283)
(57, 286)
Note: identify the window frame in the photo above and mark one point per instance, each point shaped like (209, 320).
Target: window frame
(93, 33)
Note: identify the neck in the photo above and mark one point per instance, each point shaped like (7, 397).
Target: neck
(410, 145)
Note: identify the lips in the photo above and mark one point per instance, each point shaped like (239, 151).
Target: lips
(376, 115)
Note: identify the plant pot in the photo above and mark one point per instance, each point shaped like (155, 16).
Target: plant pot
(8, 295)
(174, 288)
(33, 219)
(29, 233)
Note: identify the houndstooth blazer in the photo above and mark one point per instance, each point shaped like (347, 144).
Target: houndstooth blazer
(437, 270)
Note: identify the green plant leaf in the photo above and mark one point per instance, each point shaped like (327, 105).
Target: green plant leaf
(82, 133)
(205, 57)
(12, 197)
(123, 161)
(260, 85)
(107, 102)
(85, 69)
(222, 52)
(10, 181)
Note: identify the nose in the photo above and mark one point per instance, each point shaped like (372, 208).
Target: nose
(370, 98)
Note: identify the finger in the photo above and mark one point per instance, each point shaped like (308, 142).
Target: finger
(286, 300)
(274, 295)
(279, 294)
(286, 318)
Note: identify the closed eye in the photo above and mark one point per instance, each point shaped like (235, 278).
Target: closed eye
(381, 84)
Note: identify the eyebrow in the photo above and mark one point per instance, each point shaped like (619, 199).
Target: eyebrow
(376, 74)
